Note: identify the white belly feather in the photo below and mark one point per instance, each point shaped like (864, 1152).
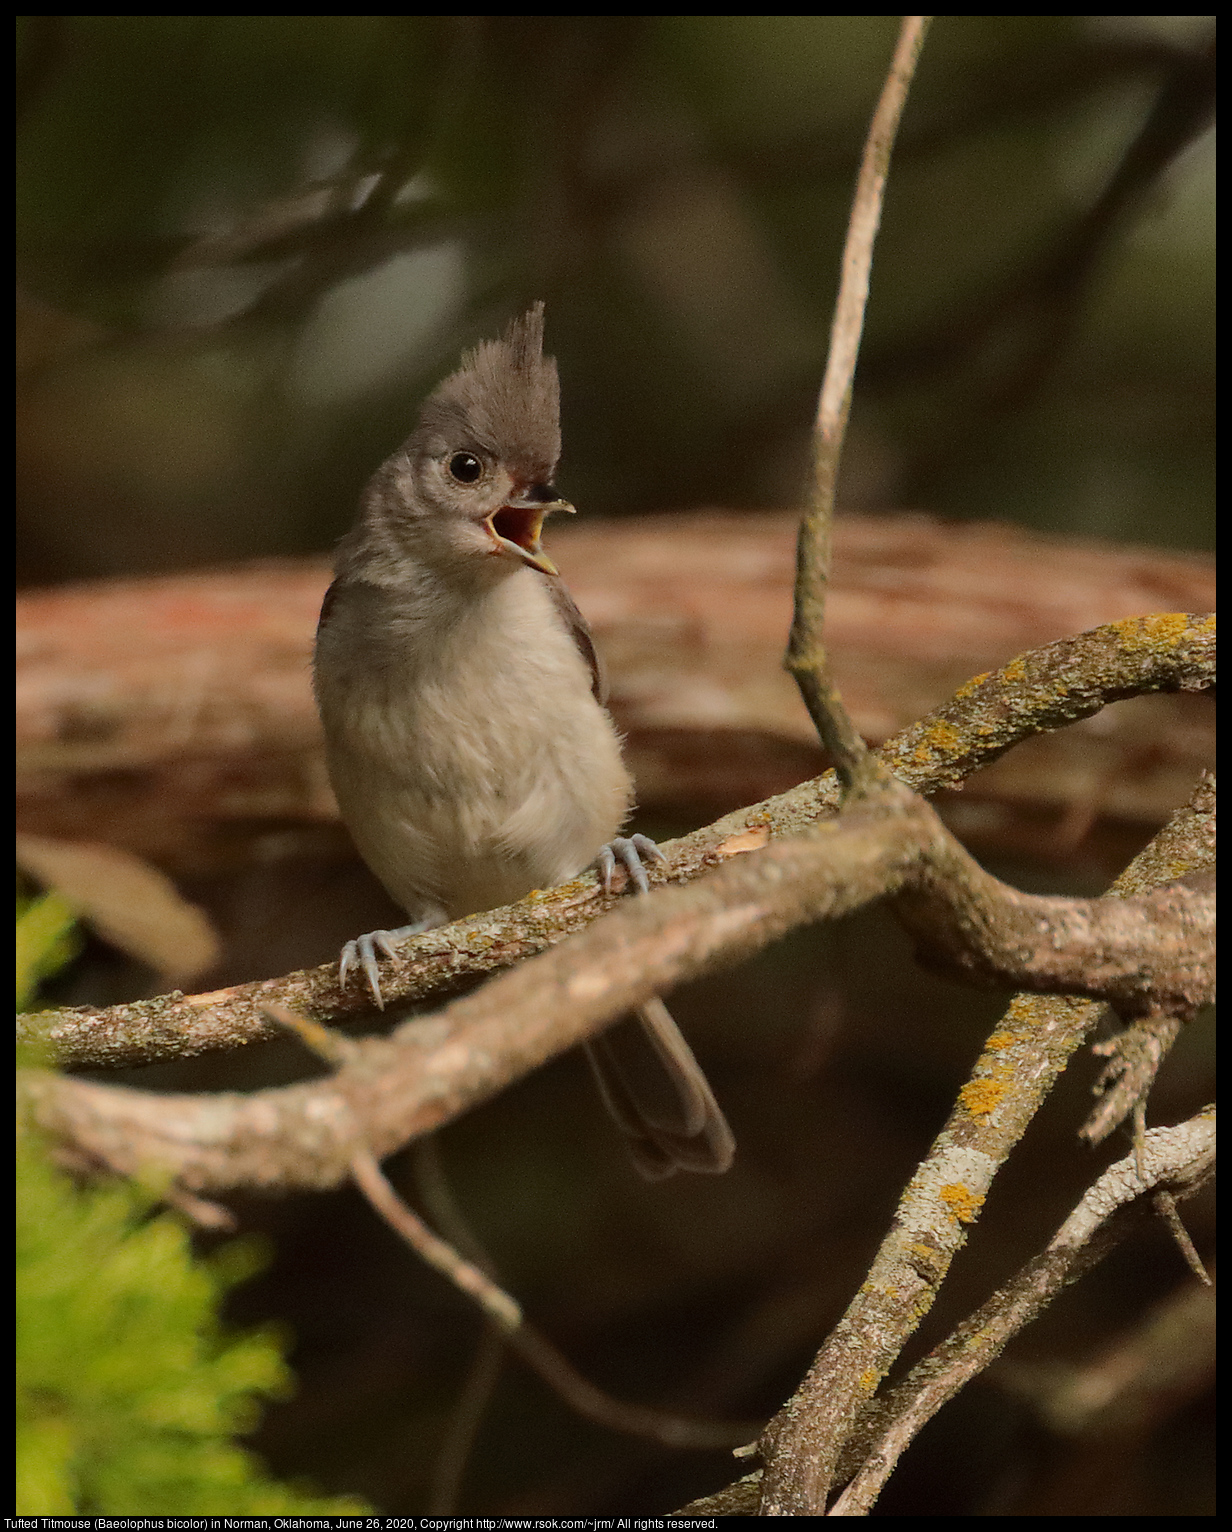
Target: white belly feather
(470, 761)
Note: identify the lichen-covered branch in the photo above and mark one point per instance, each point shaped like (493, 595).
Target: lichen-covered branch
(1043, 689)
(1177, 1160)
(1021, 1062)
(1177, 1341)
(393, 1089)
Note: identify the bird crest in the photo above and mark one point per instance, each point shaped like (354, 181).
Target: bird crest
(504, 399)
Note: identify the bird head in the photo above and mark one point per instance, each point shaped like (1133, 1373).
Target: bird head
(473, 482)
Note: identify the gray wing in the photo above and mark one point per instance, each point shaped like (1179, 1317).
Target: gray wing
(579, 630)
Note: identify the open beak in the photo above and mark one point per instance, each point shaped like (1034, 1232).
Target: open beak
(516, 527)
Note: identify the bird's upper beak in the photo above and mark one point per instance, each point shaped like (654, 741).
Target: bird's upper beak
(517, 525)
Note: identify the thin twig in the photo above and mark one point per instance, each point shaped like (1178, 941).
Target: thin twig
(530, 1344)
(438, 1200)
(669, 1430)
(1134, 1057)
(208, 1215)
(1165, 1206)
(497, 1304)
(464, 1421)
(330, 1047)
(806, 654)
(501, 1310)
(539, 1352)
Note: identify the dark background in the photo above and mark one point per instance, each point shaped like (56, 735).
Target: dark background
(247, 246)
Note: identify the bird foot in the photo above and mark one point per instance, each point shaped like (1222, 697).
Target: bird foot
(362, 954)
(628, 851)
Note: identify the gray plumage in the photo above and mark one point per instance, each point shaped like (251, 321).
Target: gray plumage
(461, 696)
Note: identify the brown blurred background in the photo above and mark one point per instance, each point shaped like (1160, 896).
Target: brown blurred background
(248, 246)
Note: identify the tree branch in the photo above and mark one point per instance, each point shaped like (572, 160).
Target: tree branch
(1042, 690)
(1021, 1061)
(951, 911)
(1175, 1346)
(1177, 1160)
(433, 1068)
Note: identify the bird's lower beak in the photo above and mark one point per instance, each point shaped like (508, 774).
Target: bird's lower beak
(517, 526)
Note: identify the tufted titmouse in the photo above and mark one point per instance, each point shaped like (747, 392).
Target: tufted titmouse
(462, 698)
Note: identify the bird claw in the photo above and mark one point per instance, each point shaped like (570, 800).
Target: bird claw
(628, 851)
(361, 953)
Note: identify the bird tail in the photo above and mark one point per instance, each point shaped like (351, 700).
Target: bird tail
(659, 1098)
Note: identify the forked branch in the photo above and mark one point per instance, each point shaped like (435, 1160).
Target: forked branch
(1042, 690)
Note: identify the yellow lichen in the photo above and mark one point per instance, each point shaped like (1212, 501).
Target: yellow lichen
(1165, 627)
(941, 739)
(1022, 1009)
(1014, 671)
(999, 1040)
(982, 1097)
(1160, 629)
(961, 1202)
(966, 689)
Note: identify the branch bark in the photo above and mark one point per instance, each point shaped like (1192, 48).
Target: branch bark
(806, 658)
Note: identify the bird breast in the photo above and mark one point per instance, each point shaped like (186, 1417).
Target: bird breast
(470, 760)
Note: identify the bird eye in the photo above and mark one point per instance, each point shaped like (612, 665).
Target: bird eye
(465, 467)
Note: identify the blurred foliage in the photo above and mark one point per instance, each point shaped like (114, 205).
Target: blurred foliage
(128, 1393)
(46, 940)
(248, 245)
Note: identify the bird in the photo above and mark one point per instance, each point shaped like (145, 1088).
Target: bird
(462, 701)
